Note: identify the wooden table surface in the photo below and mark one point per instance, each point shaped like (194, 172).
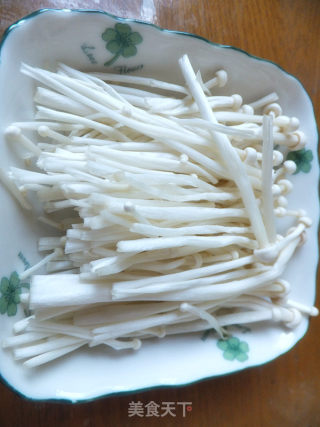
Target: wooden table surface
(286, 391)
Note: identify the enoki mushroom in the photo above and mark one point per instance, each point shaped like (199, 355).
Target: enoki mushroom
(164, 201)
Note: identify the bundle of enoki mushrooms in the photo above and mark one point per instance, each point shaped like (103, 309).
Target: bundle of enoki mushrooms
(166, 197)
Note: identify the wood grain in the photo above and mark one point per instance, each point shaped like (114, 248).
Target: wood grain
(286, 391)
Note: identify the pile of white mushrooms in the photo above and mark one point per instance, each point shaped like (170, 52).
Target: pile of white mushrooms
(166, 199)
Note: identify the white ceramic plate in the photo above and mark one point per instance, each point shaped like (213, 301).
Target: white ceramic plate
(74, 38)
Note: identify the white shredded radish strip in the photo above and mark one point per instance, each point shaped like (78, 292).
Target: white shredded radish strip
(165, 199)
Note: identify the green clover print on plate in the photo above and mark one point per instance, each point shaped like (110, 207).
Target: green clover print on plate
(233, 349)
(121, 40)
(302, 159)
(10, 294)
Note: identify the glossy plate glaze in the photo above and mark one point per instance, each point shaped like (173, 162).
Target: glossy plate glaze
(91, 40)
